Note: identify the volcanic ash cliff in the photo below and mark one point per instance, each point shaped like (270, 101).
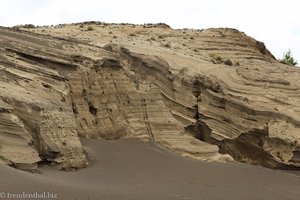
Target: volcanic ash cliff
(212, 94)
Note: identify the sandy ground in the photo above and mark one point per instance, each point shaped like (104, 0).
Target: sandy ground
(128, 170)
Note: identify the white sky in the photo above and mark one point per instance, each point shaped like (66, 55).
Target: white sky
(275, 22)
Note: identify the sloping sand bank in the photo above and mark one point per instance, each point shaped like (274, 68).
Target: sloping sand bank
(128, 170)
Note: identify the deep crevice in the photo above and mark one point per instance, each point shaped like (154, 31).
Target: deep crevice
(92, 109)
(248, 147)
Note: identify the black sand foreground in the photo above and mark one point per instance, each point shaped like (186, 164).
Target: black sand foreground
(128, 170)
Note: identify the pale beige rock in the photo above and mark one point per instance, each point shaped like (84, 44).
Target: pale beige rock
(197, 92)
(15, 141)
(36, 121)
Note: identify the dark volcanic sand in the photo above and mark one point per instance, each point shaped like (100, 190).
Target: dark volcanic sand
(128, 170)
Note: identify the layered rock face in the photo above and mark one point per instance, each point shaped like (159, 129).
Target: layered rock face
(207, 94)
(37, 121)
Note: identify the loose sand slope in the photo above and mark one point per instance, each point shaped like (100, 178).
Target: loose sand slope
(127, 170)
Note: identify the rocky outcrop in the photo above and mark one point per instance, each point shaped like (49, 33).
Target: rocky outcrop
(16, 145)
(206, 94)
(37, 122)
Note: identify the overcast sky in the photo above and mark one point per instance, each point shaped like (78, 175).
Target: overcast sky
(275, 22)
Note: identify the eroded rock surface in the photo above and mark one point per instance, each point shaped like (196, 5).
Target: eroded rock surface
(37, 121)
(202, 93)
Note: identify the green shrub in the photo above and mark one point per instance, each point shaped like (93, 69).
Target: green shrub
(167, 45)
(216, 59)
(219, 59)
(90, 28)
(228, 62)
(288, 59)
